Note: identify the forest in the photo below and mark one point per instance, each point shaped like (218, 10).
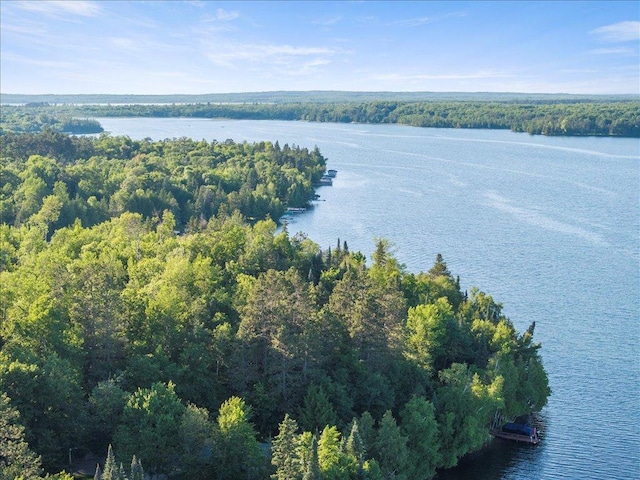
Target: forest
(153, 311)
(576, 117)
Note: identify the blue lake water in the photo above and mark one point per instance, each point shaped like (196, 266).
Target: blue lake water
(550, 226)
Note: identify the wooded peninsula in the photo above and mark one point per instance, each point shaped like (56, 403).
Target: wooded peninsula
(577, 115)
(151, 308)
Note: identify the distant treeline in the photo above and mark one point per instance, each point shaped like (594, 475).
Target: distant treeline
(620, 119)
(36, 117)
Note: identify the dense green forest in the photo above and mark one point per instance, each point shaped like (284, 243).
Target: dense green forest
(612, 118)
(38, 117)
(148, 301)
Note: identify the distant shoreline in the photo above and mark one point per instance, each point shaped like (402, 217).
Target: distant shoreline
(543, 115)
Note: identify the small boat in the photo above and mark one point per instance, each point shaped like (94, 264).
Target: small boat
(332, 173)
(517, 432)
(326, 180)
(292, 210)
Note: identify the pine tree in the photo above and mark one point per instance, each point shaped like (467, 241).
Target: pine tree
(137, 473)
(391, 448)
(317, 410)
(283, 451)
(313, 468)
(334, 462)
(111, 471)
(98, 474)
(355, 445)
(367, 431)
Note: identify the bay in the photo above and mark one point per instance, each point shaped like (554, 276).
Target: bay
(549, 226)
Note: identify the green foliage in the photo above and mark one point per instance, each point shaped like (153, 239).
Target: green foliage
(150, 427)
(47, 394)
(236, 454)
(390, 448)
(106, 404)
(312, 470)
(196, 442)
(547, 115)
(334, 462)
(316, 411)
(115, 329)
(17, 460)
(283, 451)
(420, 427)
(113, 471)
(106, 176)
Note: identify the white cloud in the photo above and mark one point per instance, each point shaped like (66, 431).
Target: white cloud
(61, 9)
(226, 15)
(222, 15)
(618, 32)
(412, 22)
(418, 21)
(36, 61)
(306, 68)
(328, 21)
(227, 54)
(613, 51)
(396, 77)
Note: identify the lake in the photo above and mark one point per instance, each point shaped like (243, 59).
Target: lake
(549, 226)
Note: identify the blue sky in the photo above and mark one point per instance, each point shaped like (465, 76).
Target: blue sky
(169, 47)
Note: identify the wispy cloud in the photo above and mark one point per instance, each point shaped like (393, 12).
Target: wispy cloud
(613, 51)
(222, 15)
(307, 68)
(36, 61)
(418, 21)
(62, 9)
(618, 32)
(227, 54)
(412, 22)
(397, 77)
(327, 21)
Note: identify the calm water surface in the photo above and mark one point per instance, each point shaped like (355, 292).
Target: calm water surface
(549, 226)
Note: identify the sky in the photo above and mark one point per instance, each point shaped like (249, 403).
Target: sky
(198, 47)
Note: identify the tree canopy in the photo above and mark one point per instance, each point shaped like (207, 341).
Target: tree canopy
(546, 115)
(144, 286)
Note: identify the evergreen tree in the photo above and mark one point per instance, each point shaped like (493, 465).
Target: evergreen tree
(137, 472)
(334, 463)
(312, 471)
(391, 448)
(439, 268)
(283, 451)
(367, 432)
(317, 410)
(111, 471)
(355, 445)
(421, 429)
